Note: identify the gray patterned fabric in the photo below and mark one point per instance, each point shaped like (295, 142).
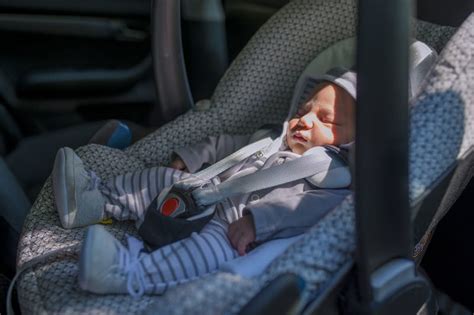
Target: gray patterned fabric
(442, 119)
(445, 111)
(221, 293)
(258, 86)
(255, 90)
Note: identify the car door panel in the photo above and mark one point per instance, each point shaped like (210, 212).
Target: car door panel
(84, 7)
(65, 62)
(92, 27)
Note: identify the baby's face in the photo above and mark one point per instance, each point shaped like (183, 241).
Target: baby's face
(327, 118)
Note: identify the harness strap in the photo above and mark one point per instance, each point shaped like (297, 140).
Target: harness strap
(299, 168)
(233, 159)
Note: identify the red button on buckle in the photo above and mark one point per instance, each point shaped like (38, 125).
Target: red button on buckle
(169, 206)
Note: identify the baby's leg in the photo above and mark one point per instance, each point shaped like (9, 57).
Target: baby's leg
(106, 266)
(188, 259)
(129, 195)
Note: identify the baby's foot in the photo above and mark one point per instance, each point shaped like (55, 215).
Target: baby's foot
(106, 266)
(78, 199)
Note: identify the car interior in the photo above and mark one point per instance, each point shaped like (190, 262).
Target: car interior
(115, 76)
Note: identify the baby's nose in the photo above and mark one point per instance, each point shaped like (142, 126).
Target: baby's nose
(306, 121)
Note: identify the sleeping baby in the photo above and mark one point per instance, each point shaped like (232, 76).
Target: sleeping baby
(239, 223)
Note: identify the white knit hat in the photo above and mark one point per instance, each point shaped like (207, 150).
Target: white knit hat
(345, 78)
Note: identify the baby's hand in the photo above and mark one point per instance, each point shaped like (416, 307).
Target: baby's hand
(178, 164)
(241, 233)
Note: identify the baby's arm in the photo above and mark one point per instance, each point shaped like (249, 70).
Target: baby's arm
(178, 164)
(208, 152)
(284, 214)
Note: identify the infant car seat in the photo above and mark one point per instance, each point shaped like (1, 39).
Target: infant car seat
(256, 90)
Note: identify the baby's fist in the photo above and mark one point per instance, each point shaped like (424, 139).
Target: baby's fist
(178, 164)
(241, 233)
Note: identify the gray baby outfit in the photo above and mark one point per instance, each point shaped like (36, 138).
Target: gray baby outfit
(282, 211)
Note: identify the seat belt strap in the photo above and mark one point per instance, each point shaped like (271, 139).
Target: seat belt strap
(299, 168)
(231, 160)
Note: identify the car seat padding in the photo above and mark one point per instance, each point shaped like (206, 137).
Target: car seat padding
(255, 90)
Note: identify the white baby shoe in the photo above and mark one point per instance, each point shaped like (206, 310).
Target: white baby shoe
(108, 267)
(78, 199)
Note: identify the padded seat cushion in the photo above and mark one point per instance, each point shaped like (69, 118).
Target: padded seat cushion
(256, 89)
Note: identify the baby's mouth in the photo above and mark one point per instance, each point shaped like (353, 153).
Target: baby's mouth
(299, 137)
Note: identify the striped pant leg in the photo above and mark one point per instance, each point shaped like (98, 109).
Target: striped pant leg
(188, 259)
(129, 195)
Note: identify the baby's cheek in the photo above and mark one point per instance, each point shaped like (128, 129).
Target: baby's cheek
(291, 125)
(343, 135)
(322, 136)
(289, 142)
(329, 135)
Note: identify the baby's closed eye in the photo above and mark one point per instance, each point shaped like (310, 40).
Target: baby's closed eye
(301, 112)
(326, 116)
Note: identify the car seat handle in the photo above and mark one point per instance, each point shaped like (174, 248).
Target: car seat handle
(387, 278)
(171, 81)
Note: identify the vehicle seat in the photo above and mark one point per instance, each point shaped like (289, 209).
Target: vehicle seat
(32, 172)
(256, 90)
